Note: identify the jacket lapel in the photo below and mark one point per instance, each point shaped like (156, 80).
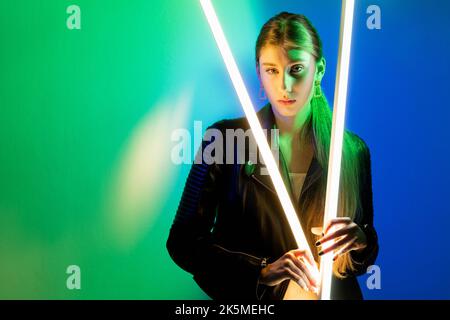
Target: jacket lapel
(267, 120)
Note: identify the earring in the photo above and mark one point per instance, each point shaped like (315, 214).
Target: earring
(262, 94)
(317, 90)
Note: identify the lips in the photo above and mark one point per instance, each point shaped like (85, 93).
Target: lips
(286, 102)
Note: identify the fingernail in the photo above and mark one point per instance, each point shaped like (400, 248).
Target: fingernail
(320, 253)
(334, 258)
(317, 243)
(323, 234)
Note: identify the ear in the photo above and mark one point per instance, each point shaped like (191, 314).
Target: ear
(320, 69)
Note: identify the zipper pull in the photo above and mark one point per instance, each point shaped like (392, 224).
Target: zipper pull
(249, 168)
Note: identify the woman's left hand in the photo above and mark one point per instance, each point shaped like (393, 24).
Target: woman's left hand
(341, 235)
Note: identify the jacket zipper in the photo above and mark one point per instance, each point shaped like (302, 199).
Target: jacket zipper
(265, 185)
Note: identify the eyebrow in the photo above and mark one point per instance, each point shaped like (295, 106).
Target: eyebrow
(274, 65)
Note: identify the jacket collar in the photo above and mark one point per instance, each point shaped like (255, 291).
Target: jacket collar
(267, 120)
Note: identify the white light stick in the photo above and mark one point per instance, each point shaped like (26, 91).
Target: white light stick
(257, 131)
(337, 135)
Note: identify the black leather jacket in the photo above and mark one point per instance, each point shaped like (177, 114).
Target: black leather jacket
(229, 219)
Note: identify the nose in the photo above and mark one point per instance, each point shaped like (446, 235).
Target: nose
(287, 82)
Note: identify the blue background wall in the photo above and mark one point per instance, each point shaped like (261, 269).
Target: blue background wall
(398, 103)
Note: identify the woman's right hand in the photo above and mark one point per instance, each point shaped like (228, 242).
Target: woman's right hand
(292, 265)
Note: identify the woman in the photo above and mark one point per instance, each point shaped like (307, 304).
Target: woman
(230, 231)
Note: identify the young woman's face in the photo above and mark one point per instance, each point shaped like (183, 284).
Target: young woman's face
(287, 77)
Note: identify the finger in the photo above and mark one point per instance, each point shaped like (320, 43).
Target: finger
(298, 270)
(312, 281)
(317, 231)
(297, 277)
(311, 265)
(304, 269)
(302, 284)
(306, 254)
(309, 262)
(335, 221)
(337, 233)
(346, 248)
(291, 275)
(335, 245)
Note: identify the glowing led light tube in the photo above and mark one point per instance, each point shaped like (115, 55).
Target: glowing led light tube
(256, 128)
(337, 134)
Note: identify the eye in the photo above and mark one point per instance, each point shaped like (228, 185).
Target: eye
(297, 68)
(271, 71)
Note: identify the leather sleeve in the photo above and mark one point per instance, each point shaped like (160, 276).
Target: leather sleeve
(220, 272)
(367, 257)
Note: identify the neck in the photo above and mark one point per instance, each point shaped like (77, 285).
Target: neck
(292, 126)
